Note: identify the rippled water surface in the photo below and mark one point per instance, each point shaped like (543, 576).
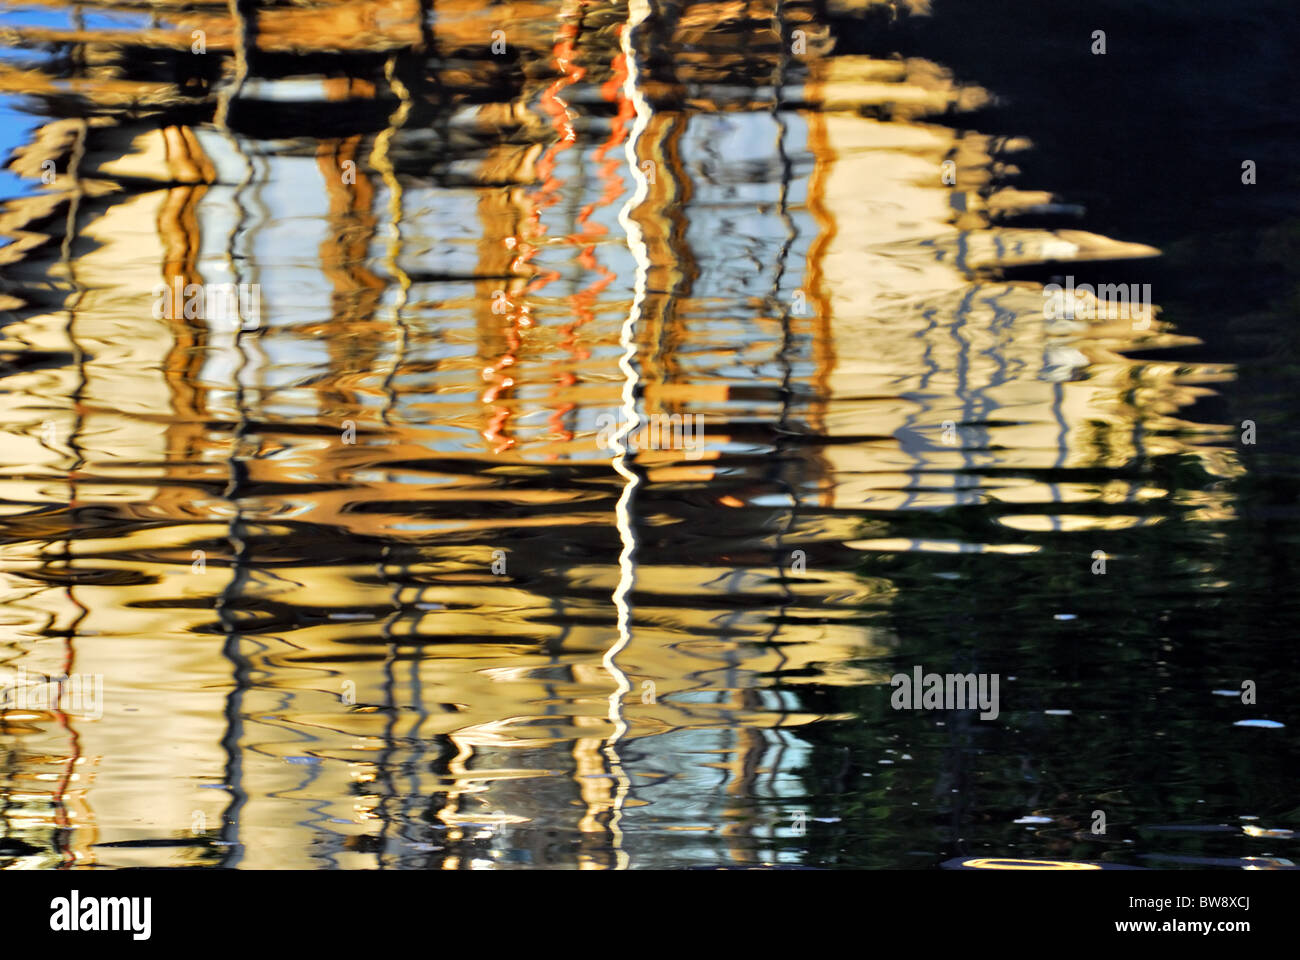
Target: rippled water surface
(390, 574)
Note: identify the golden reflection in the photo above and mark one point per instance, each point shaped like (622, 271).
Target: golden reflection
(986, 863)
(364, 584)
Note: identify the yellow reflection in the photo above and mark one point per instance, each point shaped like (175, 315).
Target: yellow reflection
(436, 602)
(986, 863)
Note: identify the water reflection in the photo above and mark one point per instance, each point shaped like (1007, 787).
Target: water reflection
(365, 583)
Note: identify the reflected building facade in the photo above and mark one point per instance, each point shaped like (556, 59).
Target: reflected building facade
(357, 578)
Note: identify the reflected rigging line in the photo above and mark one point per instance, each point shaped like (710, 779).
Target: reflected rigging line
(65, 831)
(638, 12)
(229, 831)
(381, 160)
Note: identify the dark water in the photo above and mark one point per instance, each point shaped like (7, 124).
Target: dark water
(367, 580)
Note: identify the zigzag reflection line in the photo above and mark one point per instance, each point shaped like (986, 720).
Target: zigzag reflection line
(638, 12)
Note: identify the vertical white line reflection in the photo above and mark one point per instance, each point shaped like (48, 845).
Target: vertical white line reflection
(637, 13)
(381, 161)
